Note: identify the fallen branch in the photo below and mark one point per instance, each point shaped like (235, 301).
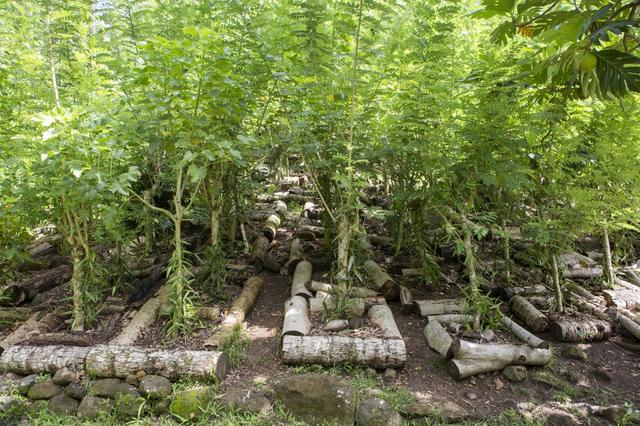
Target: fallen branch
(27, 290)
(529, 314)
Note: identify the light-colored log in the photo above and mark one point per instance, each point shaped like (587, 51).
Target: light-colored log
(120, 361)
(382, 282)
(437, 337)
(630, 326)
(439, 307)
(322, 299)
(633, 316)
(143, 319)
(510, 354)
(588, 307)
(582, 273)
(406, 300)
(296, 320)
(36, 324)
(302, 277)
(523, 334)
(530, 290)
(588, 330)
(42, 359)
(529, 314)
(463, 368)
(382, 316)
(333, 350)
(351, 291)
(451, 318)
(271, 225)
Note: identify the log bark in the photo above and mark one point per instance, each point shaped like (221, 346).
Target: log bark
(259, 215)
(411, 272)
(522, 334)
(406, 300)
(296, 320)
(57, 339)
(270, 228)
(530, 290)
(581, 330)
(146, 287)
(42, 359)
(46, 262)
(296, 255)
(629, 326)
(27, 290)
(15, 314)
(36, 324)
(237, 312)
(582, 273)
(588, 308)
(507, 353)
(143, 319)
(463, 368)
(529, 314)
(120, 361)
(240, 272)
(439, 307)
(633, 316)
(382, 316)
(302, 277)
(449, 318)
(437, 338)
(362, 292)
(382, 282)
(309, 232)
(259, 250)
(332, 350)
(633, 347)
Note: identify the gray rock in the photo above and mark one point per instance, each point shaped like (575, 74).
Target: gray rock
(44, 390)
(613, 413)
(389, 375)
(35, 407)
(111, 388)
(132, 379)
(64, 376)
(92, 406)
(355, 323)
(63, 405)
(602, 374)
(515, 373)
(76, 391)
(247, 400)
(129, 406)
(336, 325)
(26, 383)
(560, 418)
(371, 372)
(420, 408)
(575, 352)
(377, 412)
(317, 398)
(155, 387)
(454, 327)
(488, 335)
(450, 412)
(191, 402)
(372, 393)
(11, 407)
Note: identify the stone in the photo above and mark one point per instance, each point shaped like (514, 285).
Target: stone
(44, 390)
(64, 376)
(161, 407)
(336, 325)
(189, 403)
(92, 406)
(26, 383)
(35, 407)
(371, 372)
(11, 407)
(372, 393)
(317, 398)
(419, 408)
(515, 373)
(377, 412)
(247, 400)
(76, 391)
(471, 396)
(602, 374)
(560, 418)
(389, 375)
(155, 387)
(63, 405)
(613, 413)
(132, 379)
(450, 412)
(111, 388)
(129, 406)
(488, 335)
(355, 323)
(575, 352)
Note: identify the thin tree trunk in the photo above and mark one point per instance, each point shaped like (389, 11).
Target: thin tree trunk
(608, 264)
(557, 290)
(77, 281)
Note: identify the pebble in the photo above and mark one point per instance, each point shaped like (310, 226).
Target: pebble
(471, 396)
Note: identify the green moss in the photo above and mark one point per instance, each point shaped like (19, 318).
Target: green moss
(191, 402)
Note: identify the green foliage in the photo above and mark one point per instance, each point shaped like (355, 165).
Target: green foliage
(236, 346)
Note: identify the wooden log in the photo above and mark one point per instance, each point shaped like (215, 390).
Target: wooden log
(411, 272)
(382, 316)
(296, 255)
(439, 307)
(120, 361)
(302, 277)
(382, 282)
(582, 273)
(309, 232)
(107, 331)
(380, 241)
(270, 228)
(146, 287)
(327, 301)
(632, 347)
(57, 339)
(259, 215)
(524, 335)
(463, 368)
(588, 308)
(27, 290)
(15, 314)
(437, 338)
(333, 350)
(630, 326)
(259, 250)
(296, 320)
(237, 312)
(581, 330)
(529, 314)
(445, 319)
(210, 313)
(362, 292)
(406, 300)
(633, 277)
(42, 359)
(280, 207)
(633, 316)
(143, 318)
(508, 353)
(36, 324)
(41, 263)
(240, 271)
(309, 210)
(530, 290)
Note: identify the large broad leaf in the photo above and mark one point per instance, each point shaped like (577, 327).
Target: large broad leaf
(618, 72)
(503, 33)
(493, 8)
(616, 27)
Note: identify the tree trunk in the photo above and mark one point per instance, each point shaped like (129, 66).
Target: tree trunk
(120, 361)
(43, 359)
(463, 368)
(608, 264)
(437, 338)
(56, 339)
(532, 317)
(630, 326)
(451, 318)
(78, 290)
(332, 350)
(581, 330)
(296, 320)
(236, 314)
(26, 291)
(302, 277)
(510, 354)
(382, 316)
(522, 334)
(143, 319)
(270, 228)
(557, 289)
(382, 282)
(439, 307)
(33, 326)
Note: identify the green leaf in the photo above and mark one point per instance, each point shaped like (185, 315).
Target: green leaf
(503, 33)
(618, 72)
(196, 172)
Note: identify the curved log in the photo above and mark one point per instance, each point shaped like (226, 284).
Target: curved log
(529, 314)
(382, 316)
(382, 282)
(42, 359)
(296, 320)
(581, 331)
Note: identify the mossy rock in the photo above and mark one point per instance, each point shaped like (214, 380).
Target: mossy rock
(189, 403)
(129, 406)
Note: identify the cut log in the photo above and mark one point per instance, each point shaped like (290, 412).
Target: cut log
(588, 308)
(146, 287)
(582, 273)
(15, 314)
(33, 326)
(633, 347)
(143, 319)
(382, 282)
(237, 312)
(42, 359)
(522, 334)
(575, 260)
(530, 290)
(333, 350)
(633, 316)
(586, 294)
(27, 290)
(270, 228)
(507, 353)
(352, 291)
(581, 330)
(451, 318)
(629, 326)
(406, 300)
(259, 250)
(463, 368)
(57, 339)
(296, 320)
(302, 277)
(309, 232)
(437, 338)
(210, 313)
(380, 241)
(382, 316)
(296, 255)
(535, 320)
(439, 307)
(120, 361)
(309, 210)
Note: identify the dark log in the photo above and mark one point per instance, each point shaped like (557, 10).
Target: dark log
(69, 339)
(36, 324)
(107, 332)
(581, 330)
(309, 232)
(27, 290)
(46, 262)
(147, 286)
(296, 255)
(632, 347)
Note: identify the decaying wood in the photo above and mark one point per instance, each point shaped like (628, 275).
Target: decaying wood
(41, 263)
(45, 281)
(296, 320)
(529, 314)
(575, 260)
(524, 335)
(15, 314)
(259, 215)
(582, 273)
(146, 287)
(382, 316)
(333, 350)
(587, 330)
(629, 326)
(36, 324)
(437, 337)
(633, 277)
(271, 225)
(237, 312)
(107, 331)
(56, 339)
(143, 319)
(633, 347)
(259, 250)
(120, 361)
(302, 277)
(352, 291)
(439, 307)
(445, 319)
(406, 300)
(42, 359)
(382, 282)
(588, 308)
(586, 294)
(530, 290)
(309, 232)
(208, 312)
(296, 255)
